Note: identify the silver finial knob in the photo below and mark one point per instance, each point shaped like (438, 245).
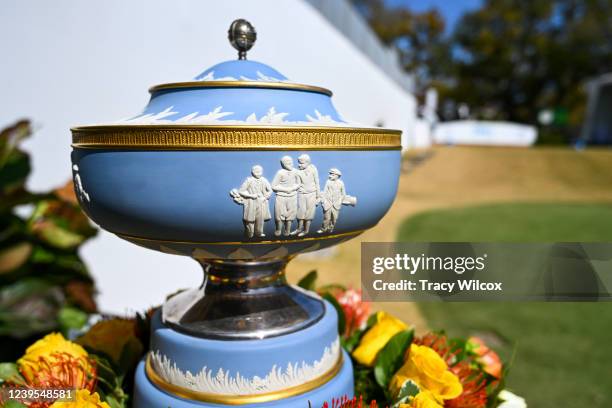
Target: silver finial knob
(242, 36)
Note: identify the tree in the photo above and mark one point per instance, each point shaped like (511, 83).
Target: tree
(515, 58)
(419, 38)
(507, 60)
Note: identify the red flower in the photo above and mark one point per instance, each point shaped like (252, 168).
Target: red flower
(345, 402)
(356, 311)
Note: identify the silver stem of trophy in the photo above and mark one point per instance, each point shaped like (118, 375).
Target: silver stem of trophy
(242, 300)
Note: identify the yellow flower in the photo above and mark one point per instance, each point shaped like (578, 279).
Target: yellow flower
(424, 399)
(375, 339)
(83, 399)
(430, 373)
(48, 350)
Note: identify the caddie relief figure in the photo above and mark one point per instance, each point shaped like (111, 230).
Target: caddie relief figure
(254, 195)
(333, 197)
(309, 194)
(285, 184)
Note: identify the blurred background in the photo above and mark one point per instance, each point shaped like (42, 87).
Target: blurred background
(504, 106)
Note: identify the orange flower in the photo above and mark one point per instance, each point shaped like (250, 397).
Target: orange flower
(48, 350)
(490, 361)
(54, 362)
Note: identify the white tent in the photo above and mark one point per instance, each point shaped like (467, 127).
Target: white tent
(69, 62)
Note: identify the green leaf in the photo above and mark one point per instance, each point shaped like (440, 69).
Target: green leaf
(372, 320)
(130, 355)
(308, 281)
(14, 172)
(115, 402)
(332, 287)
(109, 382)
(60, 224)
(14, 163)
(14, 256)
(351, 342)
(71, 318)
(9, 372)
(391, 357)
(341, 317)
(409, 389)
(29, 307)
(18, 291)
(11, 137)
(13, 404)
(366, 386)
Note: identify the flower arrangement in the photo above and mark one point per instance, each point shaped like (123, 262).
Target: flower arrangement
(395, 368)
(98, 366)
(392, 367)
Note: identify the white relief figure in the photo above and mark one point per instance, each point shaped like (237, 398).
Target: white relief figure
(78, 185)
(309, 194)
(253, 195)
(332, 198)
(285, 184)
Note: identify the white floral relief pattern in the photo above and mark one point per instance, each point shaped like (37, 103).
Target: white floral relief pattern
(260, 77)
(224, 383)
(217, 115)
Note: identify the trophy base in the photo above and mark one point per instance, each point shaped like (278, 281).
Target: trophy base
(301, 369)
(148, 395)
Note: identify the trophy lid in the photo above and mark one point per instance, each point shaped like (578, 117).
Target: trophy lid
(239, 92)
(236, 95)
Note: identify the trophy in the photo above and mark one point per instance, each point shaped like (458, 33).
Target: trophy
(242, 170)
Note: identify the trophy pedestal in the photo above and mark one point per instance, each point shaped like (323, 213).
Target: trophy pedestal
(301, 369)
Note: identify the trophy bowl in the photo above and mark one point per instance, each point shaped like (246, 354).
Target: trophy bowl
(241, 170)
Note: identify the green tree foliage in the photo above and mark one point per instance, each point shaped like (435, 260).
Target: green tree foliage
(420, 38)
(508, 59)
(518, 57)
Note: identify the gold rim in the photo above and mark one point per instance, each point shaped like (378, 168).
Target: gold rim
(242, 84)
(236, 137)
(243, 243)
(241, 399)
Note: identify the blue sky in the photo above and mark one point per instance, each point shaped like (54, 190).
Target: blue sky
(452, 10)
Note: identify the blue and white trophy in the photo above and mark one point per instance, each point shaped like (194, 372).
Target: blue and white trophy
(241, 170)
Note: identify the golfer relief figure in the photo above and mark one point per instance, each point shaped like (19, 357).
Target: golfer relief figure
(254, 195)
(309, 194)
(285, 184)
(333, 197)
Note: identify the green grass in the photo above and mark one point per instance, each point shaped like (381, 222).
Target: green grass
(563, 350)
(513, 223)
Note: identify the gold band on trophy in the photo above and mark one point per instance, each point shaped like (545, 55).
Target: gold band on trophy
(241, 85)
(236, 137)
(246, 243)
(240, 399)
